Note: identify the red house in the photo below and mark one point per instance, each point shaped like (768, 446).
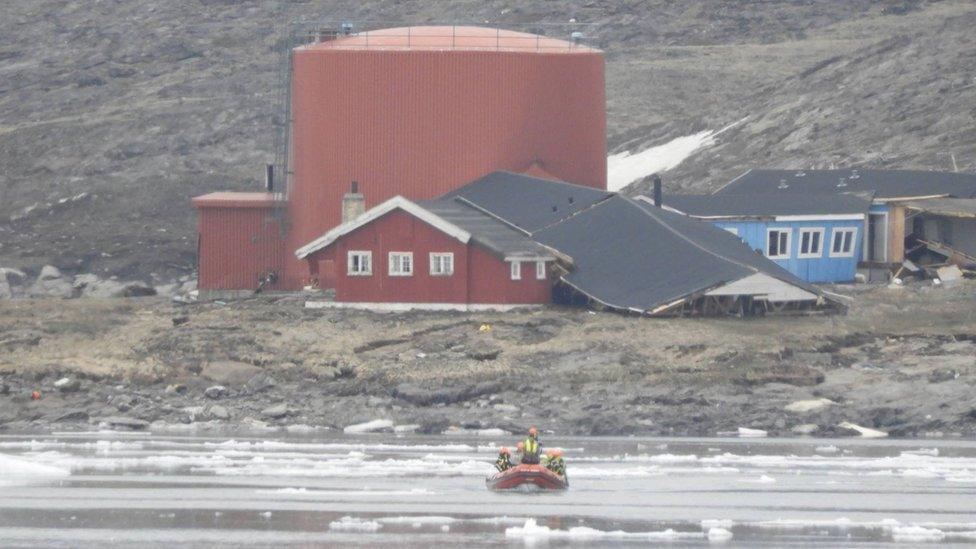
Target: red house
(430, 255)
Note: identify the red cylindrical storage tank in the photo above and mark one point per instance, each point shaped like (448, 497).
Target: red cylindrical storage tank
(420, 111)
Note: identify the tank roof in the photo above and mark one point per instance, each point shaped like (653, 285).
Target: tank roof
(446, 37)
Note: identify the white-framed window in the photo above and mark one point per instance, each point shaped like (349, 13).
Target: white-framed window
(515, 267)
(842, 242)
(811, 242)
(540, 270)
(401, 264)
(441, 264)
(778, 243)
(733, 230)
(359, 263)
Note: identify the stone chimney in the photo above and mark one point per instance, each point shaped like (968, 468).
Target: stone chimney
(353, 203)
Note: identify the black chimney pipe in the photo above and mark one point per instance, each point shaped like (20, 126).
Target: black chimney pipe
(269, 178)
(354, 187)
(657, 190)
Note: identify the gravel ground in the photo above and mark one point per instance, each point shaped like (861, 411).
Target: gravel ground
(902, 361)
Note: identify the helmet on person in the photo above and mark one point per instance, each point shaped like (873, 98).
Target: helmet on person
(504, 450)
(557, 452)
(533, 432)
(520, 446)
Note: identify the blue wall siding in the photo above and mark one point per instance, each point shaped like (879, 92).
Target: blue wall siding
(822, 269)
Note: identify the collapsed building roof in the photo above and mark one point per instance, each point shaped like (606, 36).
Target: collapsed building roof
(766, 205)
(949, 207)
(529, 203)
(885, 184)
(629, 255)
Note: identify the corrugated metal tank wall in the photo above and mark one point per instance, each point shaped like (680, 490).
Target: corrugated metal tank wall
(421, 123)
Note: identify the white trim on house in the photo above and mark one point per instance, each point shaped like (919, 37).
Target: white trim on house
(397, 202)
(406, 307)
(789, 242)
(396, 266)
(833, 238)
(515, 269)
(441, 263)
(800, 254)
(540, 270)
(733, 230)
(368, 271)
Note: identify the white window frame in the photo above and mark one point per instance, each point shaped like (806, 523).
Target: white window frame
(540, 270)
(368, 271)
(811, 231)
(837, 231)
(515, 270)
(395, 267)
(442, 264)
(789, 242)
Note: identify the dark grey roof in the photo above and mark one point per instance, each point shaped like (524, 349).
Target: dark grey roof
(885, 184)
(529, 203)
(768, 204)
(487, 231)
(633, 256)
(951, 207)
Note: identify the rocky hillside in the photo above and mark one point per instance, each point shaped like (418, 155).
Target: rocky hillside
(113, 113)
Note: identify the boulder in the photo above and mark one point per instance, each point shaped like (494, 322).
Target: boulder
(175, 389)
(219, 412)
(482, 351)
(67, 385)
(51, 283)
(122, 422)
(259, 383)
(230, 372)
(215, 392)
(804, 406)
(276, 412)
(73, 415)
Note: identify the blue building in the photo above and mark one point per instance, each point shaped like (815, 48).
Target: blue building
(818, 238)
(825, 225)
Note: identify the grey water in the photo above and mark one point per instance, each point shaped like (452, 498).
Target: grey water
(106, 489)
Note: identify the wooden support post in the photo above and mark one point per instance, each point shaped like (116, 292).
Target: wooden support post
(896, 234)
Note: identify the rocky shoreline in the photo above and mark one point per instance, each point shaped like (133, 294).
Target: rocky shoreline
(901, 363)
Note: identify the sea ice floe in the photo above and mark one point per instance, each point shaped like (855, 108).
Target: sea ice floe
(745, 432)
(369, 427)
(353, 524)
(531, 531)
(16, 471)
(719, 535)
(916, 534)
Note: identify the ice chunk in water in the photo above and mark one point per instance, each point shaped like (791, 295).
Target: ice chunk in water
(719, 534)
(531, 531)
(15, 471)
(369, 427)
(353, 524)
(916, 534)
(745, 432)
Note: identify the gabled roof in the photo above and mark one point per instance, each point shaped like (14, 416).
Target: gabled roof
(450, 217)
(376, 212)
(526, 202)
(885, 184)
(769, 205)
(633, 256)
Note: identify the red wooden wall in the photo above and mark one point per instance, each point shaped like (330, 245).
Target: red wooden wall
(479, 276)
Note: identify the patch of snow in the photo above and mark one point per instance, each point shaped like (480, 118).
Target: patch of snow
(369, 427)
(829, 449)
(353, 524)
(934, 452)
(864, 431)
(745, 432)
(624, 168)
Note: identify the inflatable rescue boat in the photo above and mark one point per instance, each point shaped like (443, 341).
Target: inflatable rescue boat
(529, 476)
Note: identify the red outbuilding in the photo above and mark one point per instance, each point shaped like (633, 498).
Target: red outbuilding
(432, 254)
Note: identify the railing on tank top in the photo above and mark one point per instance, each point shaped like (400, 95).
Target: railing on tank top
(445, 38)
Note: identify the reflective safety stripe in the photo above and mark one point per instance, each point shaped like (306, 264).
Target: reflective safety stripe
(531, 446)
